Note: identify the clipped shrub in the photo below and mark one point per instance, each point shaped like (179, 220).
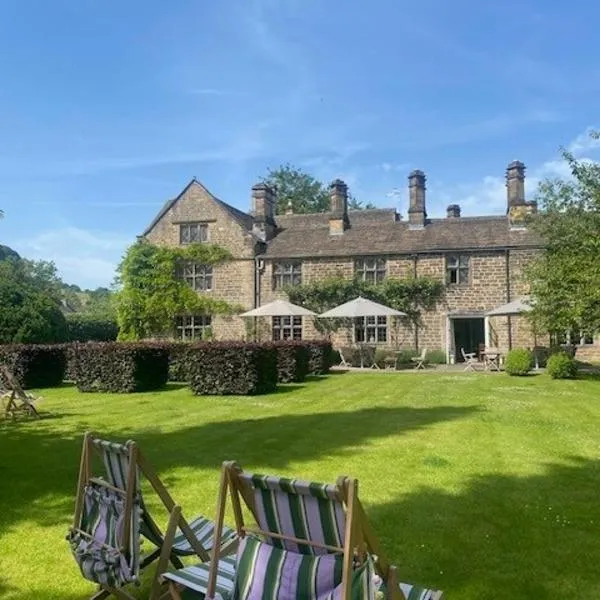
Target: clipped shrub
(235, 368)
(436, 357)
(292, 361)
(519, 361)
(35, 365)
(121, 367)
(86, 328)
(319, 357)
(71, 362)
(180, 359)
(561, 366)
(404, 358)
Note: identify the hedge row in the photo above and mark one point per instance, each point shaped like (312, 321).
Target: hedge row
(85, 328)
(121, 367)
(35, 365)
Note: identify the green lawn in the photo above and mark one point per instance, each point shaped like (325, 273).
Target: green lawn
(483, 485)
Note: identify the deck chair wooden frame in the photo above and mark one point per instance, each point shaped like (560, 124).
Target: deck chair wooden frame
(138, 465)
(470, 359)
(16, 400)
(420, 360)
(359, 537)
(343, 361)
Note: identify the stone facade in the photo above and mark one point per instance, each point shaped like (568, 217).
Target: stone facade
(493, 252)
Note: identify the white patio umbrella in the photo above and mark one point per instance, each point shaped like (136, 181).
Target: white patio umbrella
(279, 308)
(516, 307)
(361, 307)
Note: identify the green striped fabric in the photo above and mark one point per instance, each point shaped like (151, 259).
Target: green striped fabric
(103, 556)
(116, 464)
(300, 509)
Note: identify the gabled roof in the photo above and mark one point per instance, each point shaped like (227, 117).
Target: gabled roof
(244, 219)
(378, 232)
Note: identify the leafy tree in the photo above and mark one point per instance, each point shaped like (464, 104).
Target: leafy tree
(565, 279)
(305, 193)
(152, 295)
(29, 303)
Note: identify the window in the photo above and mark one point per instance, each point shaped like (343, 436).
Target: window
(193, 233)
(193, 327)
(371, 270)
(372, 330)
(457, 269)
(286, 273)
(287, 328)
(197, 275)
(574, 337)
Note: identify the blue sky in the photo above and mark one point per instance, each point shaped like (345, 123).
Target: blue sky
(109, 108)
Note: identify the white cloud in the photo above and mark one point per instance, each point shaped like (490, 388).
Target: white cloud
(87, 258)
(584, 142)
(388, 167)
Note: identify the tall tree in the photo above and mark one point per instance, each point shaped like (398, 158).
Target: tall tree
(305, 193)
(565, 279)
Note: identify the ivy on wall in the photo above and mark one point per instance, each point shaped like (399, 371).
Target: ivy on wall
(151, 294)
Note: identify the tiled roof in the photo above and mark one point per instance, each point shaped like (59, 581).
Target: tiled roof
(379, 232)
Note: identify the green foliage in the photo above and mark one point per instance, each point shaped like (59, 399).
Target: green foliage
(121, 367)
(235, 368)
(561, 366)
(35, 365)
(565, 279)
(152, 295)
(519, 361)
(435, 357)
(320, 356)
(29, 303)
(82, 327)
(6, 252)
(305, 193)
(411, 296)
(292, 361)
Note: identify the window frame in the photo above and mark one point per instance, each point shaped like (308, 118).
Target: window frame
(202, 233)
(371, 274)
(371, 330)
(286, 328)
(458, 265)
(189, 323)
(286, 273)
(200, 278)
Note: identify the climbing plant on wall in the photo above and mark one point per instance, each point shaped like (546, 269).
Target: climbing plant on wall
(151, 294)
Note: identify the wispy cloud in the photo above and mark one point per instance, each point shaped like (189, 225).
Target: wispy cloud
(209, 92)
(584, 142)
(388, 167)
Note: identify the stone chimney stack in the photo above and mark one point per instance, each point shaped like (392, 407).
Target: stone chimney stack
(417, 213)
(338, 207)
(515, 184)
(453, 211)
(263, 211)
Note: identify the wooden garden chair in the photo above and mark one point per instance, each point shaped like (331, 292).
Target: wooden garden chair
(16, 400)
(343, 361)
(470, 359)
(420, 360)
(124, 465)
(312, 533)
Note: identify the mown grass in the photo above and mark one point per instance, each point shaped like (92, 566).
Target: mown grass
(485, 486)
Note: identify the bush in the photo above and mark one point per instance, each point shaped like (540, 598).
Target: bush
(404, 358)
(436, 357)
(180, 361)
(86, 328)
(292, 361)
(235, 368)
(519, 361)
(35, 366)
(319, 357)
(71, 362)
(121, 367)
(561, 366)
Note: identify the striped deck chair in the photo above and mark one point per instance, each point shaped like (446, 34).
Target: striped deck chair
(305, 534)
(16, 400)
(124, 465)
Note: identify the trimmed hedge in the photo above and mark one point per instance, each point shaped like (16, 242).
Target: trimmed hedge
(121, 367)
(35, 365)
(292, 361)
(234, 368)
(70, 351)
(519, 362)
(85, 328)
(562, 366)
(181, 357)
(320, 356)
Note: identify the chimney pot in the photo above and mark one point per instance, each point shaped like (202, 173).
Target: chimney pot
(417, 212)
(515, 184)
(453, 211)
(338, 206)
(263, 210)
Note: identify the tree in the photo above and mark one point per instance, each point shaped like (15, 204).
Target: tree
(305, 193)
(29, 305)
(152, 294)
(565, 278)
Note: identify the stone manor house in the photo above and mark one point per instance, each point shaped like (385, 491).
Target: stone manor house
(480, 259)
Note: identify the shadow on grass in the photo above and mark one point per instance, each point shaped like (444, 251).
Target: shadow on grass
(502, 537)
(40, 463)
